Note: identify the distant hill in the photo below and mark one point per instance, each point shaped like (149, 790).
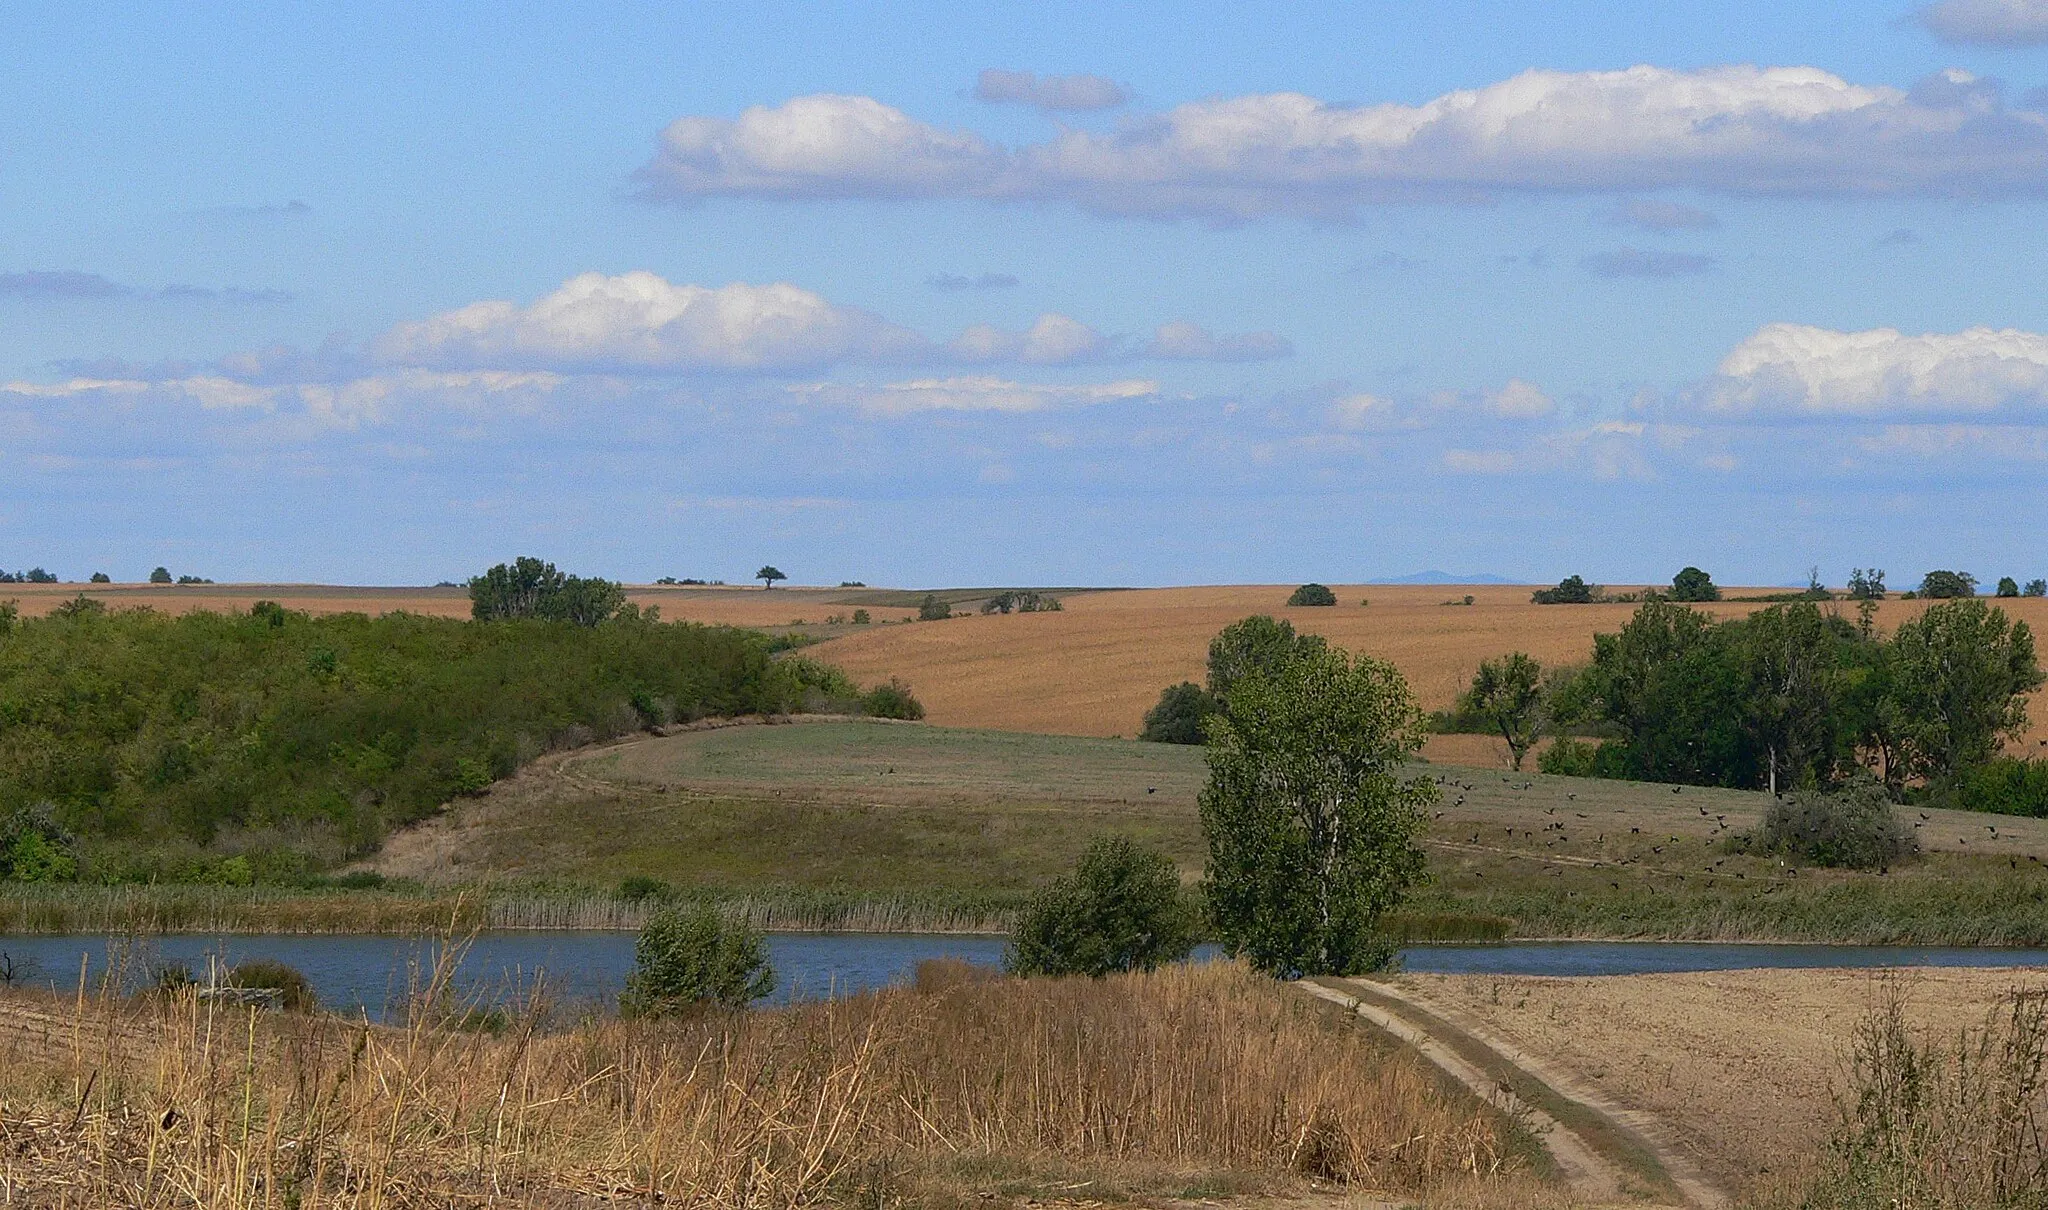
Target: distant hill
(1445, 577)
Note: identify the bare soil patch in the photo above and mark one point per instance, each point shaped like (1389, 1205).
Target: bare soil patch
(1741, 1066)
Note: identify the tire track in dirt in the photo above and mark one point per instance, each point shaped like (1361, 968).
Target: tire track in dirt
(1607, 1152)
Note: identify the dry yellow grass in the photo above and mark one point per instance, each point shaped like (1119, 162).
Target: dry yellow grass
(1177, 1079)
(1097, 667)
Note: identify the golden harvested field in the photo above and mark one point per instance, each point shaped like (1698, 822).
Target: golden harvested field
(1097, 667)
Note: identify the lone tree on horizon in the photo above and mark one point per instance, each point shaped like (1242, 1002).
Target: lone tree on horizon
(768, 575)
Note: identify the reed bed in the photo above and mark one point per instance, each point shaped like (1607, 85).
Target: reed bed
(869, 1100)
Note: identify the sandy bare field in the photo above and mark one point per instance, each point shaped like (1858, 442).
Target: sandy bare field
(1097, 667)
(1743, 1065)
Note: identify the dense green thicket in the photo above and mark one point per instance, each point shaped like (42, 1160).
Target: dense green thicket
(1792, 696)
(148, 735)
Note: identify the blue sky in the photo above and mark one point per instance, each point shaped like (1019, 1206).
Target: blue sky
(1038, 293)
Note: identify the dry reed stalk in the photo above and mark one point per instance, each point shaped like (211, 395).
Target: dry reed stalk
(179, 1103)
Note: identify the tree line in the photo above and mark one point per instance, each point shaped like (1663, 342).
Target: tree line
(1791, 696)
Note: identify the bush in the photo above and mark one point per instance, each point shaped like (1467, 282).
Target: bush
(1122, 909)
(2004, 786)
(1692, 584)
(1944, 585)
(529, 588)
(932, 609)
(1312, 594)
(1853, 827)
(2007, 587)
(862, 617)
(297, 991)
(34, 848)
(1570, 757)
(100, 577)
(892, 700)
(639, 888)
(1179, 715)
(691, 957)
(1572, 590)
(2035, 588)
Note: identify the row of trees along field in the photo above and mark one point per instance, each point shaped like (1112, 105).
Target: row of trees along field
(135, 745)
(1794, 695)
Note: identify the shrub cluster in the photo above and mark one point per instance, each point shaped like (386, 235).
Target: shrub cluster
(142, 730)
(1854, 827)
(692, 956)
(1022, 600)
(1122, 909)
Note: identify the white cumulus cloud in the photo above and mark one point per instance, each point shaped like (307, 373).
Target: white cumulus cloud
(1818, 371)
(1988, 22)
(639, 322)
(1739, 129)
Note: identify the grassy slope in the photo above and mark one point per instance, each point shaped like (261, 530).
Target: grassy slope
(893, 809)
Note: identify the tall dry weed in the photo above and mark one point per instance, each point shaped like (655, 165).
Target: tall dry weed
(182, 1104)
(1933, 1123)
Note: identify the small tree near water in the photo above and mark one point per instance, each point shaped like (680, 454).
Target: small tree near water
(1310, 820)
(692, 956)
(1122, 909)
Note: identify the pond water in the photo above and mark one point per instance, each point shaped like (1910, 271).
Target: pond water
(372, 973)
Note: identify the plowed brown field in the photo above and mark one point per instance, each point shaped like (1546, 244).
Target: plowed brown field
(1097, 667)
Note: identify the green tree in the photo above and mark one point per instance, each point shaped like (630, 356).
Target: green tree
(2035, 588)
(1790, 658)
(1312, 594)
(932, 609)
(1958, 679)
(692, 956)
(530, 588)
(1943, 585)
(161, 575)
(1310, 820)
(100, 577)
(1256, 644)
(1508, 693)
(768, 575)
(1572, 590)
(1692, 584)
(2008, 587)
(1866, 584)
(1122, 909)
(1179, 715)
(1672, 690)
(861, 617)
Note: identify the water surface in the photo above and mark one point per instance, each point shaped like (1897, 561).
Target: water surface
(373, 974)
